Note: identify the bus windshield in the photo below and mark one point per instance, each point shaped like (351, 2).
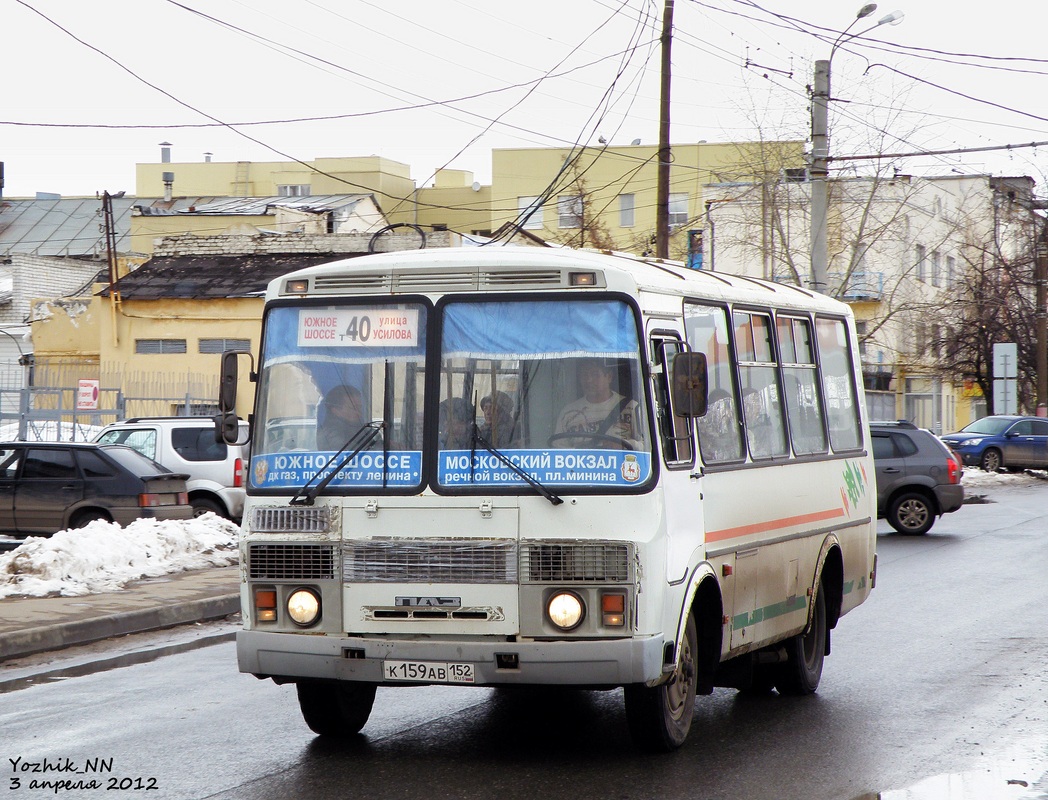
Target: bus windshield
(328, 371)
(552, 386)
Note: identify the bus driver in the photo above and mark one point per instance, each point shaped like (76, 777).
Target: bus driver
(600, 412)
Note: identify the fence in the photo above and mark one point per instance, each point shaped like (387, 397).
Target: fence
(47, 411)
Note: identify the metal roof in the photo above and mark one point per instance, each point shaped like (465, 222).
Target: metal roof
(259, 206)
(72, 226)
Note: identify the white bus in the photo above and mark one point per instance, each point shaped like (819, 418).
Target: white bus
(521, 466)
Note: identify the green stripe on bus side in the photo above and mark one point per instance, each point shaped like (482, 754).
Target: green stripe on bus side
(787, 606)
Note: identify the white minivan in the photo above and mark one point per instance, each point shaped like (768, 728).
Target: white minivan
(187, 445)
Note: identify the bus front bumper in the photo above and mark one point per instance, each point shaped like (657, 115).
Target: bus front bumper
(617, 662)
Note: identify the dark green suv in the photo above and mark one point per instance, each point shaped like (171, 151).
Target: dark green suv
(918, 477)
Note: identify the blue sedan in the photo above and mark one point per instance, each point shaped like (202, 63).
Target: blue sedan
(997, 442)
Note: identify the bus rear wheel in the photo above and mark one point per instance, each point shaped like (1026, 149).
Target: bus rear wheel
(335, 708)
(806, 652)
(660, 717)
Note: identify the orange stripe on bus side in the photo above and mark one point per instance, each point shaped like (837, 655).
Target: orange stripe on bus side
(773, 524)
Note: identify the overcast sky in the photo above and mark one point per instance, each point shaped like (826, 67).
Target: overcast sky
(435, 84)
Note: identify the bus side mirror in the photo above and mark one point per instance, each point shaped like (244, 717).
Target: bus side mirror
(227, 424)
(689, 384)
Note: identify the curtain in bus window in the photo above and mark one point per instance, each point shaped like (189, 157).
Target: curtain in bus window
(761, 406)
(540, 328)
(838, 384)
(719, 430)
(803, 404)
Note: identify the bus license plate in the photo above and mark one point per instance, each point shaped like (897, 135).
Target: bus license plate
(427, 671)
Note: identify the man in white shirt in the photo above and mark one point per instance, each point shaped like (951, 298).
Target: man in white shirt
(600, 412)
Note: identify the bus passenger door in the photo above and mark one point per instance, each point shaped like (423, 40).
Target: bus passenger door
(681, 483)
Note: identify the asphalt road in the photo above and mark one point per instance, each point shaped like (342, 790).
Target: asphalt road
(936, 688)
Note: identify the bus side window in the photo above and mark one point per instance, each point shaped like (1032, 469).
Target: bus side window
(758, 370)
(838, 384)
(674, 430)
(720, 433)
(800, 379)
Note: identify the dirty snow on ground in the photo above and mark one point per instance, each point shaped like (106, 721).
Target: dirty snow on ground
(103, 557)
(975, 478)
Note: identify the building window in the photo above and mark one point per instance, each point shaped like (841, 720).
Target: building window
(221, 345)
(936, 264)
(678, 209)
(626, 210)
(569, 211)
(160, 346)
(293, 190)
(529, 209)
(920, 255)
(951, 266)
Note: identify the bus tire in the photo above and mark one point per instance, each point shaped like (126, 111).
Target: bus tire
(805, 654)
(660, 716)
(335, 708)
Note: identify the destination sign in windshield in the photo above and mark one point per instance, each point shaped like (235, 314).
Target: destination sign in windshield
(346, 327)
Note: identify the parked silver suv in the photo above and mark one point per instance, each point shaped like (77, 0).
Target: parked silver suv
(918, 477)
(187, 445)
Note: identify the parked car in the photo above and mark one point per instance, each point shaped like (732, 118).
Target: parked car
(47, 487)
(1002, 442)
(918, 477)
(187, 445)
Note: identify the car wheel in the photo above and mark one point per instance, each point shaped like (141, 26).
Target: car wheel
(201, 505)
(991, 460)
(911, 513)
(85, 518)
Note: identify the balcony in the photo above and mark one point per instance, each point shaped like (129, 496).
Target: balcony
(861, 286)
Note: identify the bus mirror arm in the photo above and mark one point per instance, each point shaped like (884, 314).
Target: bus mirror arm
(478, 438)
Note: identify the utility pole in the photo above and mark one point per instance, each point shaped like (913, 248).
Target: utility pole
(662, 191)
(1041, 319)
(820, 152)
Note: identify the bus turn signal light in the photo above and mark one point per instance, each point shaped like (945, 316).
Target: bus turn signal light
(265, 605)
(613, 607)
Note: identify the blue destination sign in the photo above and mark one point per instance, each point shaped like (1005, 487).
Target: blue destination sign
(548, 467)
(367, 469)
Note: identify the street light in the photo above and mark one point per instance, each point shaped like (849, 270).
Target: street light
(820, 145)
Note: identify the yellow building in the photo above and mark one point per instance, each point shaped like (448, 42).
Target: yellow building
(593, 196)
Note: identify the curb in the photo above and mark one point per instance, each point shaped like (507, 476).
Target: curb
(68, 634)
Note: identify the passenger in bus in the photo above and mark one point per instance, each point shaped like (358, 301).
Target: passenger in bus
(719, 429)
(455, 423)
(601, 412)
(341, 416)
(497, 429)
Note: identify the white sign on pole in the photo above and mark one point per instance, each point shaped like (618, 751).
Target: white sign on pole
(1005, 399)
(1006, 361)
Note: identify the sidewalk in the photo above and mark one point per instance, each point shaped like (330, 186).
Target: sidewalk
(36, 624)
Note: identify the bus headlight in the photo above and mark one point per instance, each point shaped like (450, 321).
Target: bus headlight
(565, 610)
(303, 606)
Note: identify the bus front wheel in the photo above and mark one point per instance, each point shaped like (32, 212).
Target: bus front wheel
(660, 717)
(335, 708)
(802, 671)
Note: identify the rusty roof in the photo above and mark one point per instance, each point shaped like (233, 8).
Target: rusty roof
(208, 277)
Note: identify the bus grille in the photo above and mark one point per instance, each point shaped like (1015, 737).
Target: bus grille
(291, 519)
(430, 561)
(291, 562)
(574, 562)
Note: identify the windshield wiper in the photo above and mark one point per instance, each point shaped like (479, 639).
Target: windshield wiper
(367, 433)
(477, 438)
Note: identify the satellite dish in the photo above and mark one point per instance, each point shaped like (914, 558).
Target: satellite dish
(475, 187)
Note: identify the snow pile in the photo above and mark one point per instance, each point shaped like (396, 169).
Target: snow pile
(103, 557)
(977, 478)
